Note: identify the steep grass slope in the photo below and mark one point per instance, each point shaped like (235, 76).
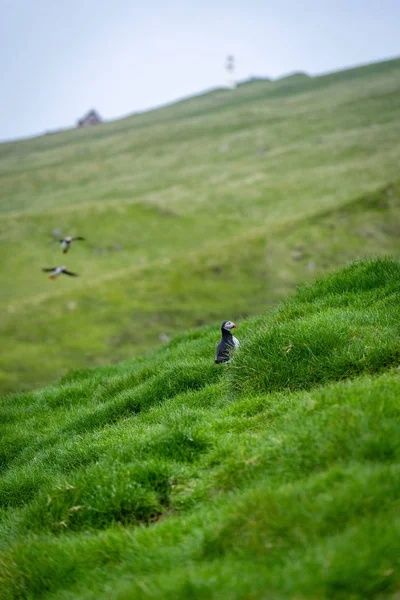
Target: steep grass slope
(168, 476)
(255, 190)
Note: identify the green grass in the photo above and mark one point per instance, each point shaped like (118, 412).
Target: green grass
(336, 329)
(256, 190)
(167, 476)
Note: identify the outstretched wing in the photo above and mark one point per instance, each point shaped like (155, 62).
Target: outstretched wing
(49, 270)
(78, 238)
(70, 273)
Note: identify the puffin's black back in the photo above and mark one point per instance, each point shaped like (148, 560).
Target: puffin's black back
(225, 346)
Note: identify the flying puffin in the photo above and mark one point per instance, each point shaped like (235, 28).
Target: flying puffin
(66, 242)
(56, 271)
(227, 343)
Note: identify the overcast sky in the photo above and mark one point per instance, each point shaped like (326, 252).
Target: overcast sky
(61, 58)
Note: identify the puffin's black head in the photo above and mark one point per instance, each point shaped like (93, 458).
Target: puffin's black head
(227, 326)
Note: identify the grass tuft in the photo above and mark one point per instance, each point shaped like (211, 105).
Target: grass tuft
(164, 476)
(333, 330)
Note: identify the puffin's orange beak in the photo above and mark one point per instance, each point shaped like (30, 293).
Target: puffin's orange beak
(234, 326)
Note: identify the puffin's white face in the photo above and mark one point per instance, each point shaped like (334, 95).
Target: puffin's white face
(228, 325)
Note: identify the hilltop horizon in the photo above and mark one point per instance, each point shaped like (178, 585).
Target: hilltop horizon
(195, 94)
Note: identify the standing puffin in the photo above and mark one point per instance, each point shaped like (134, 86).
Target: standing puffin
(56, 271)
(227, 343)
(66, 242)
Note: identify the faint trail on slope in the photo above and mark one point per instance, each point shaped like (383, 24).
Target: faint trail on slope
(154, 196)
(208, 250)
(120, 273)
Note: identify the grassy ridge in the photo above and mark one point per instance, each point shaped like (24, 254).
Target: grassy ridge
(254, 191)
(334, 330)
(168, 476)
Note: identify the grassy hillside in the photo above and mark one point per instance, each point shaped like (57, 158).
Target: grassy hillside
(168, 476)
(252, 191)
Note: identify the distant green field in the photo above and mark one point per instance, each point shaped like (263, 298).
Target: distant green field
(211, 208)
(170, 477)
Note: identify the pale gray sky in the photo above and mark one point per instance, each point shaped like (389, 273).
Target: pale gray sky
(58, 59)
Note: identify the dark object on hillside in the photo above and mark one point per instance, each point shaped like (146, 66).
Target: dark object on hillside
(167, 212)
(217, 269)
(65, 243)
(56, 271)
(227, 343)
(91, 118)
(298, 255)
(253, 79)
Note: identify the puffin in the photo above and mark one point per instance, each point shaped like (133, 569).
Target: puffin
(66, 242)
(56, 271)
(227, 343)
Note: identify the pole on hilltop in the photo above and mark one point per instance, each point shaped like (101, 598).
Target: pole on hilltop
(230, 68)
